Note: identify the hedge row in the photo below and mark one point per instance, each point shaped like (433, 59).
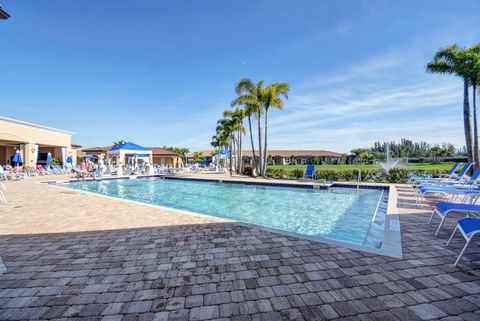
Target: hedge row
(394, 175)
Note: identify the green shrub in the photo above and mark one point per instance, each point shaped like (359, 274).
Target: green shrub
(398, 175)
(248, 170)
(278, 173)
(55, 161)
(296, 173)
(327, 175)
(394, 175)
(350, 175)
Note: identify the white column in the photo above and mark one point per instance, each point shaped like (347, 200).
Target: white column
(64, 155)
(121, 156)
(35, 154)
(22, 153)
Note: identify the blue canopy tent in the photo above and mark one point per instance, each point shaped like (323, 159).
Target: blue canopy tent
(128, 149)
(225, 152)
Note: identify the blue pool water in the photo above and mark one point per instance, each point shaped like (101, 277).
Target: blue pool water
(342, 214)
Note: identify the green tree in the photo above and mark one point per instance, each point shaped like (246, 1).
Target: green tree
(237, 116)
(470, 58)
(271, 98)
(225, 136)
(451, 60)
(270, 160)
(258, 99)
(182, 151)
(362, 153)
(198, 157)
(250, 96)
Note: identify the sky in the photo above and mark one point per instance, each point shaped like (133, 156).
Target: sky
(160, 73)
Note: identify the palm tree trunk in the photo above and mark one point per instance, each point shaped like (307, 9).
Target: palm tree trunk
(254, 163)
(234, 152)
(260, 159)
(467, 123)
(475, 129)
(230, 156)
(240, 169)
(237, 155)
(264, 168)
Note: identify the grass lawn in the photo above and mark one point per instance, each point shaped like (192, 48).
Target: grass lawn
(425, 166)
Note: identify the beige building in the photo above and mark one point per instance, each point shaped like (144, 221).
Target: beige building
(34, 142)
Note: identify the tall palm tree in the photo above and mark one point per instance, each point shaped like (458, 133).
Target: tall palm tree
(224, 137)
(250, 96)
(237, 116)
(448, 60)
(271, 98)
(470, 58)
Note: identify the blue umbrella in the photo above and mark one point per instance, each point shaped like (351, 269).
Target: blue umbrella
(49, 158)
(18, 157)
(89, 156)
(69, 159)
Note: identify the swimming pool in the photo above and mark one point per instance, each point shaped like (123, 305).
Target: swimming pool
(343, 214)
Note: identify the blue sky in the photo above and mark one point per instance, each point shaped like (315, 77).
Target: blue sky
(162, 72)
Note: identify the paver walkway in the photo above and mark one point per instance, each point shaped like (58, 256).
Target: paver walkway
(223, 271)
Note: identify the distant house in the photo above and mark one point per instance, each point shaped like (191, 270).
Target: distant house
(297, 157)
(206, 155)
(160, 155)
(283, 157)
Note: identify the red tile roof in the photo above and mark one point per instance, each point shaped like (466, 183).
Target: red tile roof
(282, 153)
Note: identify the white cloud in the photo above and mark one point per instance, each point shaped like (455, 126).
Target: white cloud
(364, 105)
(366, 69)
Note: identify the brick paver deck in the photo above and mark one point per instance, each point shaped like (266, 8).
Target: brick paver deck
(223, 271)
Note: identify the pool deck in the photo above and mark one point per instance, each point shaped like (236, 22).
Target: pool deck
(76, 256)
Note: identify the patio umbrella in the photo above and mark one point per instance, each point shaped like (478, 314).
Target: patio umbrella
(49, 158)
(88, 156)
(18, 157)
(69, 159)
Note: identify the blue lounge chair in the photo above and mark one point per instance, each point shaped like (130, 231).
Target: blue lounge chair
(450, 194)
(452, 171)
(449, 180)
(453, 183)
(460, 188)
(469, 227)
(310, 172)
(443, 209)
(450, 174)
(48, 170)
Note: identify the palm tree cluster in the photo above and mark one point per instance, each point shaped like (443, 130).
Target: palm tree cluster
(253, 101)
(464, 63)
(183, 151)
